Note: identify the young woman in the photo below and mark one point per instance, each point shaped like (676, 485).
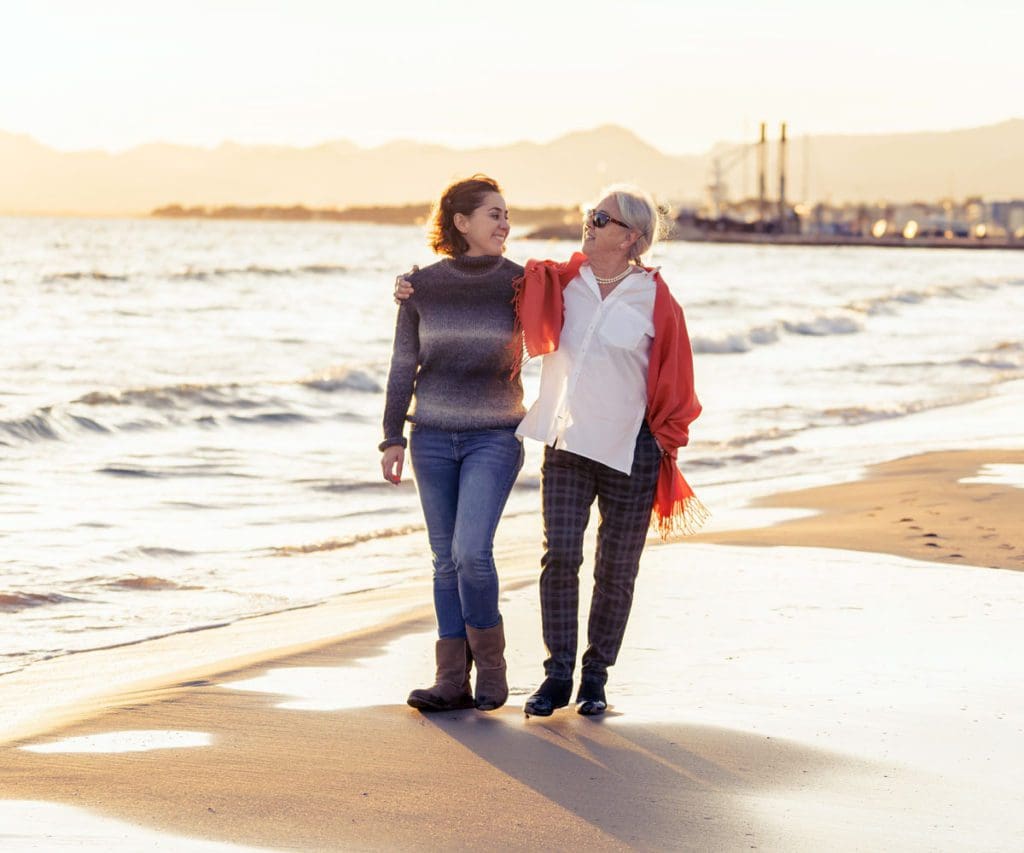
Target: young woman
(451, 360)
(616, 401)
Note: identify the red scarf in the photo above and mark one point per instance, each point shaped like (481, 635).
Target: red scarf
(671, 402)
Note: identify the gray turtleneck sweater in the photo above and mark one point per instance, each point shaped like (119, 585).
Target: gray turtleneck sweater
(452, 350)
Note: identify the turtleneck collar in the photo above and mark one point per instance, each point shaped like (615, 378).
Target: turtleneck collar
(476, 263)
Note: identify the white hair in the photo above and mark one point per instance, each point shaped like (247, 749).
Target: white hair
(641, 213)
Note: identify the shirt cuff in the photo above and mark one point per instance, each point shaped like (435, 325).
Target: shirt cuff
(397, 441)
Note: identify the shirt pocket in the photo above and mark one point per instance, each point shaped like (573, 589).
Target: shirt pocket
(625, 327)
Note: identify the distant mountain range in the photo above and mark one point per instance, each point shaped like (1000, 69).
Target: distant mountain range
(34, 179)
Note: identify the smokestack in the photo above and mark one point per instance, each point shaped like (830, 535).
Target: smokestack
(782, 180)
(762, 163)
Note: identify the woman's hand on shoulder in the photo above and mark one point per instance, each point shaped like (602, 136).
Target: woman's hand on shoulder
(391, 462)
(403, 289)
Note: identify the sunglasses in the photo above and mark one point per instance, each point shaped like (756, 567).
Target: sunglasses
(600, 219)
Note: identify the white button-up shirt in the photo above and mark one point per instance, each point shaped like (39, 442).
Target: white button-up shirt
(593, 388)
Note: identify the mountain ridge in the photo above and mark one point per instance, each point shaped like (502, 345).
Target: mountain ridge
(36, 179)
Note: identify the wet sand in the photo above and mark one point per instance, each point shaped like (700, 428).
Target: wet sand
(830, 693)
(914, 507)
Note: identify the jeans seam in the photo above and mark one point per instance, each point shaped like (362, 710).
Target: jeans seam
(514, 473)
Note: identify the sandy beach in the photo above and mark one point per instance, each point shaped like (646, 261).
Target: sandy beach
(839, 685)
(917, 507)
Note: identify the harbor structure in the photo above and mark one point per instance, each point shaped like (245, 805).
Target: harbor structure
(971, 222)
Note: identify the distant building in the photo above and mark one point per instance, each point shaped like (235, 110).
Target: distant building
(973, 218)
(1008, 214)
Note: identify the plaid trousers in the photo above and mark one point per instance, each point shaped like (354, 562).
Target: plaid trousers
(570, 484)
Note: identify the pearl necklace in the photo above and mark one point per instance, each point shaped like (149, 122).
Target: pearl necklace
(615, 279)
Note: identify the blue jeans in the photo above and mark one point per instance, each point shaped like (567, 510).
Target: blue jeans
(464, 479)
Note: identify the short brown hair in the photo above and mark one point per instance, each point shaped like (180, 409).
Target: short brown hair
(459, 197)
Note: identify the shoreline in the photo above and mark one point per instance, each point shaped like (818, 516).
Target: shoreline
(50, 694)
(798, 703)
(684, 234)
(914, 506)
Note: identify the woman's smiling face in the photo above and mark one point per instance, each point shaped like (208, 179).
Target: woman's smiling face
(486, 228)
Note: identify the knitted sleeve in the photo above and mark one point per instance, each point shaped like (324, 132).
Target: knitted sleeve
(405, 355)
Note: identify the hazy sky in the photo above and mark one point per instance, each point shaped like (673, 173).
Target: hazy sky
(681, 74)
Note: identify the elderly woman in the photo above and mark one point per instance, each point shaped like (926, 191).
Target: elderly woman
(616, 401)
(451, 356)
(615, 404)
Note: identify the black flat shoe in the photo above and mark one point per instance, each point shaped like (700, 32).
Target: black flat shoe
(553, 693)
(591, 701)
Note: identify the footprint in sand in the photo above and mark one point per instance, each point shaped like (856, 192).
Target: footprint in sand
(958, 556)
(905, 519)
(930, 536)
(932, 545)
(914, 527)
(1007, 547)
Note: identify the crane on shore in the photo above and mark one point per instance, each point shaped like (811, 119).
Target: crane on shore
(721, 165)
(724, 162)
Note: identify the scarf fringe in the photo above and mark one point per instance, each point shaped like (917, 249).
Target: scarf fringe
(687, 516)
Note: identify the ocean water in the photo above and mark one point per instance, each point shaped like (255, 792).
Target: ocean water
(189, 411)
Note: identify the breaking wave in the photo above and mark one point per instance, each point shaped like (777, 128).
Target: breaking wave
(170, 405)
(146, 584)
(193, 274)
(202, 274)
(764, 334)
(12, 602)
(346, 541)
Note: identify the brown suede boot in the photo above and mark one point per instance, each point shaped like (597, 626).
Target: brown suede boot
(451, 688)
(488, 648)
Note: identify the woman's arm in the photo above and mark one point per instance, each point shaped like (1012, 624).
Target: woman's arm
(401, 381)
